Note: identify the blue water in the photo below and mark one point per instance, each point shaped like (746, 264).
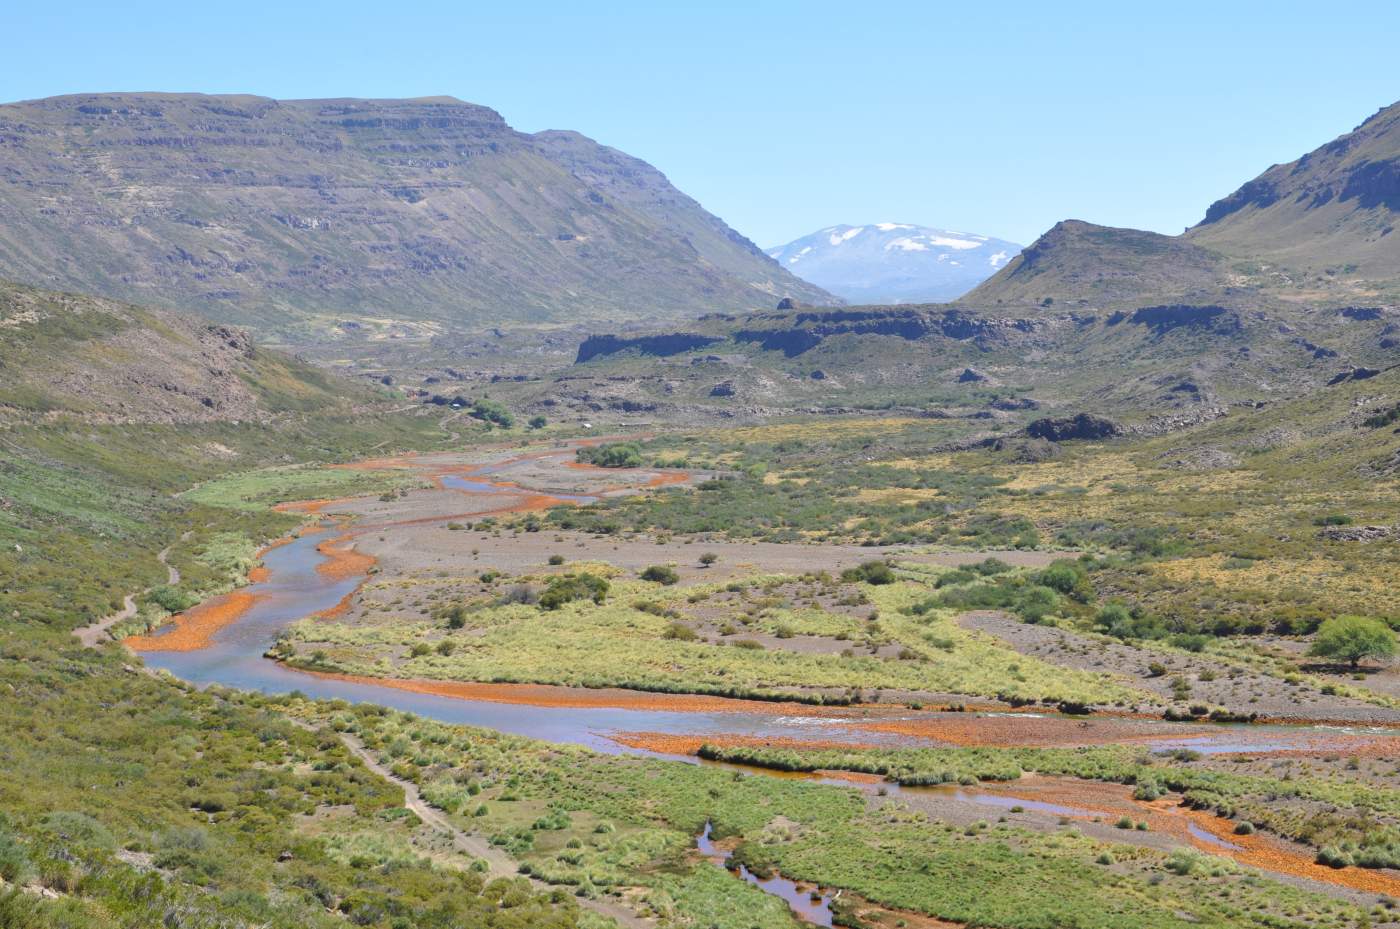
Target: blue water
(295, 589)
(1210, 839)
(814, 911)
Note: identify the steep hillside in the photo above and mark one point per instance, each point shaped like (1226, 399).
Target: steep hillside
(298, 214)
(1333, 211)
(64, 356)
(894, 262)
(1081, 262)
(1315, 231)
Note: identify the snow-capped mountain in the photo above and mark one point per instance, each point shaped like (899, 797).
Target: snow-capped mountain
(894, 262)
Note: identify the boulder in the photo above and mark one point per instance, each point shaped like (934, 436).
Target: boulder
(1082, 426)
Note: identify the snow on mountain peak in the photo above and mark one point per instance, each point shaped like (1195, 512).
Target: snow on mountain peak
(838, 237)
(890, 262)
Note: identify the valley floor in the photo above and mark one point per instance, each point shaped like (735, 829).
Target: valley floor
(538, 666)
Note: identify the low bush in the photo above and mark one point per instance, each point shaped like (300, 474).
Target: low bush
(660, 574)
(569, 588)
(869, 572)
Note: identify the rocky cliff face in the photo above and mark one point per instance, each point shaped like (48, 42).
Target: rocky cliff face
(279, 212)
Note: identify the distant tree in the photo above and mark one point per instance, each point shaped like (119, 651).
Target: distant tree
(538, 422)
(1352, 638)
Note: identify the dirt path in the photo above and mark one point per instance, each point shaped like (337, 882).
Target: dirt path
(499, 864)
(93, 634)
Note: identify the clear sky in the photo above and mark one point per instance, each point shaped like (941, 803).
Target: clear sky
(783, 117)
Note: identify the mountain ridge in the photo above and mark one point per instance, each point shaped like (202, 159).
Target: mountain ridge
(1317, 229)
(293, 214)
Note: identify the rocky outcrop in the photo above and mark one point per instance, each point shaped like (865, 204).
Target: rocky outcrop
(1177, 421)
(1355, 374)
(1082, 426)
(1014, 404)
(1026, 451)
(1359, 533)
(1361, 313)
(1163, 319)
(807, 330)
(661, 346)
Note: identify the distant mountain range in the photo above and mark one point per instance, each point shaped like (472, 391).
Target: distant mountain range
(294, 215)
(1288, 287)
(894, 262)
(1320, 229)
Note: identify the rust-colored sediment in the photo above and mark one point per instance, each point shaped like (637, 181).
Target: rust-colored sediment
(1167, 816)
(1272, 854)
(258, 574)
(194, 628)
(552, 695)
(341, 607)
(310, 507)
(1048, 731)
(342, 560)
(670, 743)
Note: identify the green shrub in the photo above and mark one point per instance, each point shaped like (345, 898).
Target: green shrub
(568, 588)
(660, 574)
(492, 412)
(611, 455)
(1069, 578)
(869, 572)
(1119, 621)
(680, 632)
(172, 599)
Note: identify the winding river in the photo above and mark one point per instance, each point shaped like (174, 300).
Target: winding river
(291, 587)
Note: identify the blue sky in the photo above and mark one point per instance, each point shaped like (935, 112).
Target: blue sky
(783, 117)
